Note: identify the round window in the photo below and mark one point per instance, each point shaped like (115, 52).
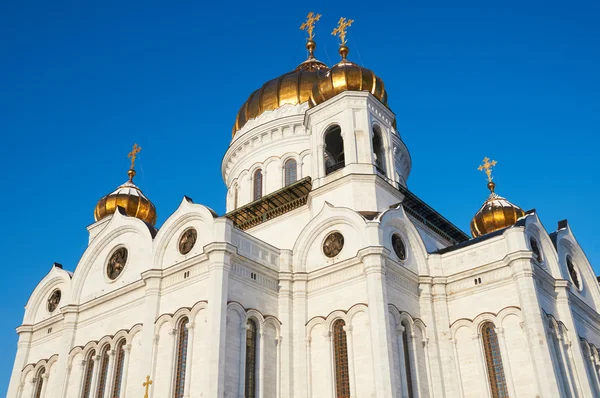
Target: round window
(535, 248)
(187, 241)
(333, 244)
(54, 300)
(573, 272)
(116, 263)
(398, 246)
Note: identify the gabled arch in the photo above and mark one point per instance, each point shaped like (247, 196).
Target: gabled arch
(396, 219)
(36, 308)
(329, 218)
(118, 226)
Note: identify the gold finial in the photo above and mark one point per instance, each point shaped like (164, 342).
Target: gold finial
(486, 167)
(147, 384)
(133, 154)
(309, 25)
(340, 31)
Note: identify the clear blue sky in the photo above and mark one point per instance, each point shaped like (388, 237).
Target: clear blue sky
(80, 82)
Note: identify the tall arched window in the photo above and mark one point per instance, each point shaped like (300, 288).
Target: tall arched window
(407, 363)
(334, 149)
(103, 371)
(378, 151)
(258, 182)
(88, 374)
(235, 197)
(39, 383)
(119, 367)
(291, 173)
(251, 359)
(340, 350)
(493, 361)
(182, 345)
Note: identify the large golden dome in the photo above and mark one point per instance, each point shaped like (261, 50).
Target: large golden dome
(347, 76)
(496, 213)
(129, 197)
(294, 87)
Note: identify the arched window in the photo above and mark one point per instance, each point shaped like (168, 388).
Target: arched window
(182, 345)
(39, 383)
(573, 272)
(340, 347)
(119, 367)
(88, 374)
(493, 361)
(407, 363)
(235, 197)
(291, 173)
(334, 149)
(378, 151)
(251, 359)
(258, 182)
(103, 371)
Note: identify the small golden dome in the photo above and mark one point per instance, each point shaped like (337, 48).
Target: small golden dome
(293, 88)
(496, 213)
(347, 76)
(129, 197)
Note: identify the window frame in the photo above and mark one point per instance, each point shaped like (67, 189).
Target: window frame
(88, 374)
(119, 368)
(103, 376)
(287, 179)
(250, 373)
(257, 188)
(181, 357)
(39, 383)
(341, 364)
(494, 365)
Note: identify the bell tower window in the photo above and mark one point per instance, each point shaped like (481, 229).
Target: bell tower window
(291, 173)
(378, 150)
(334, 149)
(257, 184)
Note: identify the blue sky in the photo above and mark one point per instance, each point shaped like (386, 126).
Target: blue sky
(80, 82)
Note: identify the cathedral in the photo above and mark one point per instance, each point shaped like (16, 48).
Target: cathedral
(327, 277)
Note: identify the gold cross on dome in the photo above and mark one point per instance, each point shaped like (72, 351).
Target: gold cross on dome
(309, 25)
(340, 31)
(486, 167)
(147, 384)
(133, 154)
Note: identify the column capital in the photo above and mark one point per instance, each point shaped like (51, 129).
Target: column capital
(327, 335)
(190, 325)
(347, 329)
(499, 330)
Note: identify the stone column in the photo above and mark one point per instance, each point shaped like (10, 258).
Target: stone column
(299, 318)
(565, 364)
(415, 368)
(189, 360)
(219, 255)
(308, 361)
(402, 360)
(373, 260)
(481, 365)
(152, 281)
(278, 368)
(533, 319)
(561, 287)
(506, 362)
(25, 332)
(285, 368)
(109, 373)
(125, 375)
(70, 313)
(242, 365)
(45, 383)
(351, 373)
(96, 374)
(457, 367)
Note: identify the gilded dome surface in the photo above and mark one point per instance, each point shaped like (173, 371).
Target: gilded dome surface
(496, 213)
(129, 197)
(294, 87)
(347, 76)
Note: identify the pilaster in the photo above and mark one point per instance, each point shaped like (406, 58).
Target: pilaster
(25, 333)
(71, 314)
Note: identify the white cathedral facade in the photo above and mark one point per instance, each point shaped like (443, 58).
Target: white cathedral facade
(326, 278)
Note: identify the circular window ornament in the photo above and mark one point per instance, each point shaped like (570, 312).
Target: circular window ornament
(573, 273)
(54, 300)
(398, 246)
(187, 240)
(116, 263)
(334, 242)
(535, 248)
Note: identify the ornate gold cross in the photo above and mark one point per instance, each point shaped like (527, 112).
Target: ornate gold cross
(147, 384)
(133, 154)
(340, 31)
(486, 167)
(309, 25)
